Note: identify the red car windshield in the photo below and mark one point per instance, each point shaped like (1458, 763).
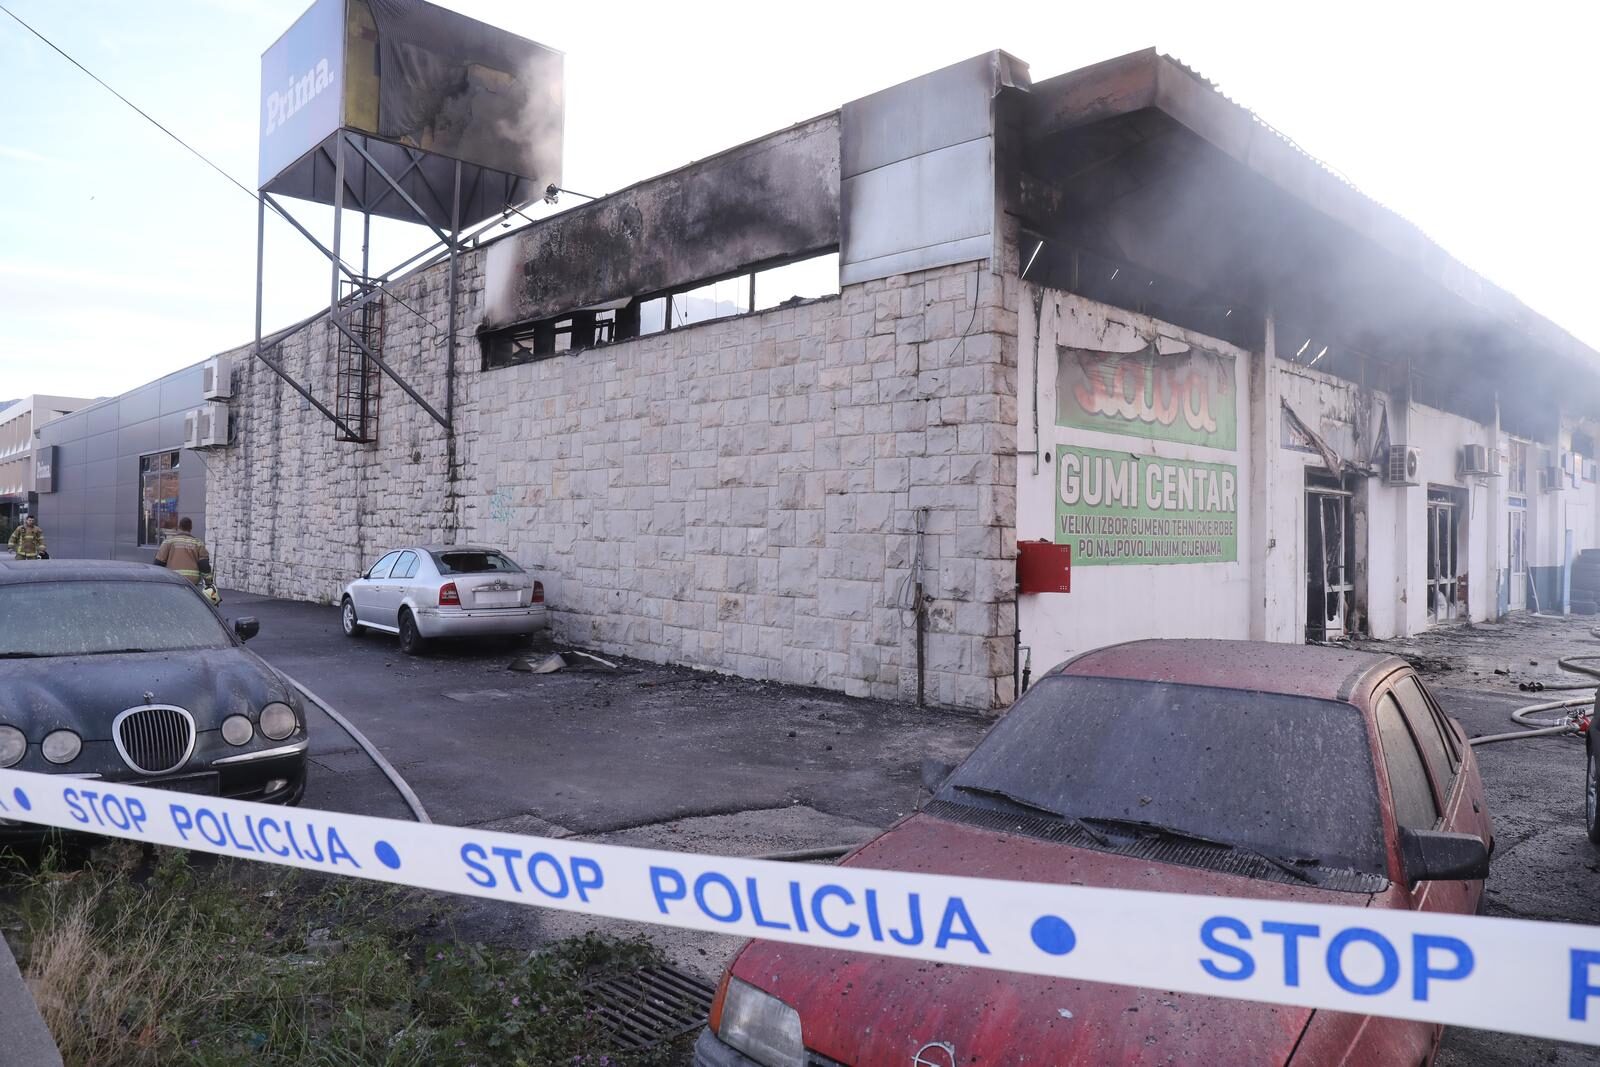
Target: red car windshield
(1289, 777)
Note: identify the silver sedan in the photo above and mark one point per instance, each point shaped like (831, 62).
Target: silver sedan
(434, 591)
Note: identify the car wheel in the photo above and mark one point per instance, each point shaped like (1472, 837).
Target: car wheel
(411, 641)
(1591, 793)
(347, 619)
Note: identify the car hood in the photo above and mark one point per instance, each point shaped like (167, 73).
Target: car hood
(85, 693)
(866, 1010)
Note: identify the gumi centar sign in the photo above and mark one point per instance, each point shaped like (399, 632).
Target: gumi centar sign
(1167, 390)
(1127, 507)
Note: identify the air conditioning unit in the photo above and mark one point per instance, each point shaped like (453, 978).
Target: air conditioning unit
(1589, 470)
(1405, 464)
(216, 378)
(1497, 463)
(1549, 479)
(1474, 459)
(206, 426)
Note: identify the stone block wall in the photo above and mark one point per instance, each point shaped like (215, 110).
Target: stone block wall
(741, 495)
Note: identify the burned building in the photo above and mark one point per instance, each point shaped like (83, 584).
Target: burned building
(788, 412)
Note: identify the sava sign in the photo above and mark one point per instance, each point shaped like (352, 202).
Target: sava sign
(1113, 507)
(1185, 396)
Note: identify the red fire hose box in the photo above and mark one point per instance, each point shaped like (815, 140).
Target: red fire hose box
(1044, 567)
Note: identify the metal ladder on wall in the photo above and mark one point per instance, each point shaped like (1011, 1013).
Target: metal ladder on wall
(357, 395)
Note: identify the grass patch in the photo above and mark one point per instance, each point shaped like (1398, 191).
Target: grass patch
(209, 963)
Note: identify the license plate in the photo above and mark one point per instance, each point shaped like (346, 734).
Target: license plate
(207, 784)
(496, 600)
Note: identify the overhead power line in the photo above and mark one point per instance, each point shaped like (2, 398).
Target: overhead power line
(191, 149)
(142, 112)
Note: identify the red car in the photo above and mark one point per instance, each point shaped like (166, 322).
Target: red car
(1227, 768)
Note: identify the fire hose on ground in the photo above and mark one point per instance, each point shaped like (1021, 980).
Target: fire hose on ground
(1573, 721)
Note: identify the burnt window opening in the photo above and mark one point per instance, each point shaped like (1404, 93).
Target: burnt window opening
(1304, 347)
(1331, 550)
(565, 333)
(1517, 468)
(1446, 585)
(775, 285)
(1061, 265)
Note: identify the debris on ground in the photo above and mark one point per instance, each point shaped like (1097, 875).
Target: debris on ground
(557, 661)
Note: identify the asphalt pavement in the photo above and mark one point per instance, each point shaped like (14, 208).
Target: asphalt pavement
(591, 750)
(676, 758)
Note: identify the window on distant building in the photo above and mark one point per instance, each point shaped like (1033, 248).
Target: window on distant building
(158, 496)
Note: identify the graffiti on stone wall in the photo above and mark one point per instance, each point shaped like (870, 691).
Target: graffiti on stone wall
(1167, 391)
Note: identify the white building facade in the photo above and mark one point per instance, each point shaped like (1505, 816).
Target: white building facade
(1110, 310)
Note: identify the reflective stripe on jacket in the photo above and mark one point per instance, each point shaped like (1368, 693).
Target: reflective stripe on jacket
(27, 543)
(183, 553)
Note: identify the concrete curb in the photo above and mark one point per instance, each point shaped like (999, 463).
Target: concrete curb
(26, 1039)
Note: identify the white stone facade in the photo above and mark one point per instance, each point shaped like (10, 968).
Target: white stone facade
(740, 495)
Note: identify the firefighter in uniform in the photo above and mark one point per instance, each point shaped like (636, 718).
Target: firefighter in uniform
(27, 540)
(185, 553)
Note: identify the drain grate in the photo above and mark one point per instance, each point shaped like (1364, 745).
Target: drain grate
(643, 1008)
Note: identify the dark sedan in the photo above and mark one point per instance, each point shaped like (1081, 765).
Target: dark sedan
(1207, 767)
(124, 672)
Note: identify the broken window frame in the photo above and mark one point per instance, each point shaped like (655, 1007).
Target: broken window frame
(1442, 576)
(1071, 267)
(624, 320)
(1331, 585)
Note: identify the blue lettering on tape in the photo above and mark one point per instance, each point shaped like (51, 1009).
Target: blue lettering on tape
(1422, 968)
(1582, 987)
(734, 909)
(105, 811)
(1291, 934)
(1246, 964)
(832, 909)
(1360, 934)
(247, 835)
(537, 872)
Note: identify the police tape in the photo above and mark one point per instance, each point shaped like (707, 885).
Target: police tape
(1521, 976)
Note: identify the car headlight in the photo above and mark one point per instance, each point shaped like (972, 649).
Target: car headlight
(236, 730)
(278, 721)
(61, 746)
(761, 1026)
(13, 746)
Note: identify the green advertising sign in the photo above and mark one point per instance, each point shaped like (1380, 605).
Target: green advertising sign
(1118, 508)
(1186, 396)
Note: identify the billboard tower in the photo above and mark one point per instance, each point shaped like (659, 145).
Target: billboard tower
(404, 110)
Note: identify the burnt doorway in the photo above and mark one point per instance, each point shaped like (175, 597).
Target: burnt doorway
(1445, 598)
(1517, 556)
(1330, 558)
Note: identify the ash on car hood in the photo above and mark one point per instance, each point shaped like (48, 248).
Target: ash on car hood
(86, 692)
(869, 1010)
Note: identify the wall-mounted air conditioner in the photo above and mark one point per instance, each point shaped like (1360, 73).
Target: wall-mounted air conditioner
(1550, 479)
(1497, 463)
(1404, 467)
(1590, 469)
(206, 426)
(216, 378)
(1474, 459)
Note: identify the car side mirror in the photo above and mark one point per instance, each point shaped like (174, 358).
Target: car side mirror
(934, 772)
(246, 627)
(1432, 855)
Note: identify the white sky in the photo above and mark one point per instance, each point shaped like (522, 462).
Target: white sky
(122, 257)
